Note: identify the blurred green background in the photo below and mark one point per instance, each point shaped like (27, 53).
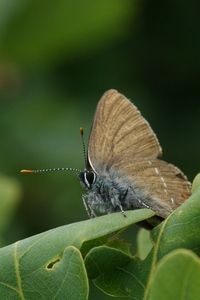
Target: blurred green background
(56, 60)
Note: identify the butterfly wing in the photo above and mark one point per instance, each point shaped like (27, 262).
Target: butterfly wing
(164, 183)
(119, 131)
(123, 140)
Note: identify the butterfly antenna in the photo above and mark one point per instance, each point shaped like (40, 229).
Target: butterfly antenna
(50, 170)
(83, 144)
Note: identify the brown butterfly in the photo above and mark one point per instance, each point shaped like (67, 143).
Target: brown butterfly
(123, 169)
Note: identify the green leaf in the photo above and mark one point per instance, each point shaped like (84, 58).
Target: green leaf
(106, 266)
(144, 243)
(196, 183)
(117, 273)
(45, 264)
(181, 229)
(40, 279)
(104, 259)
(177, 277)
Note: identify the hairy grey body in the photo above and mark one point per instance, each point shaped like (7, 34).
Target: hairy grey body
(113, 191)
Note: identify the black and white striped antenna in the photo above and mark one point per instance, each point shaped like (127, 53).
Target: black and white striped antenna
(50, 170)
(83, 145)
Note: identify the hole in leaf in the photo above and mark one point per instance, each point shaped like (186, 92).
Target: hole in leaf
(51, 264)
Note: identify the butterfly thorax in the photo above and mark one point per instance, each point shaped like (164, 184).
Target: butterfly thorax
(110, 191)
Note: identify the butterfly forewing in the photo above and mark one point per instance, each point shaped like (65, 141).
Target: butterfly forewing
(119, 131)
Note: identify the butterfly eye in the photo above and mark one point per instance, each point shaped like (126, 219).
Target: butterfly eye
(88, 178)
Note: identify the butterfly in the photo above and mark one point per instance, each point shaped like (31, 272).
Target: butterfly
(124, 170)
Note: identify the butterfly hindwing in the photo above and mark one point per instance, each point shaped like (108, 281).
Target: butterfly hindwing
(163, 182)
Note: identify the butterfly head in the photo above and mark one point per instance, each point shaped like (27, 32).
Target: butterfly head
(87, 178)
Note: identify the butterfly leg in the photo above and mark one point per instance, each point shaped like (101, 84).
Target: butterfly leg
(88, 208)
(122, 200)
(122, 211)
